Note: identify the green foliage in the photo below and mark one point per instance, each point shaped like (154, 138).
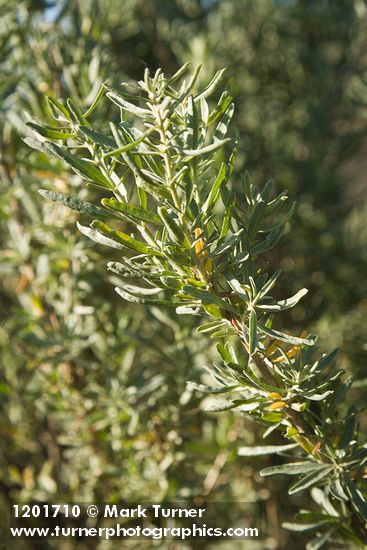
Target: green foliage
(94, 404)
(299, 84)
(198, 245)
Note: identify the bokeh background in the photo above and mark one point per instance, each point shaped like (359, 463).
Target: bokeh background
(93, 397)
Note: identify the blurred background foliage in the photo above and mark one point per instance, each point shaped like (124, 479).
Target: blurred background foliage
(94, 404)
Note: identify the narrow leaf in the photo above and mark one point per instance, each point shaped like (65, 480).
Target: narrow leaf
(129, 146)
(210, 389)
(97, 237)
(97, 137)
(147, 301)
(292, 468)
(132, 211)
(127, 106)
(97, 99)
(214, 192)
(309, 480)
(284, 304)
(56, 107)
(265, 449)
(74, 203)
(286, 337)
(300, 527)
(52, 133)
(82, 167)
(174, 230)
(209, 327)
(220, 406)
(122, 238)
(205, 150)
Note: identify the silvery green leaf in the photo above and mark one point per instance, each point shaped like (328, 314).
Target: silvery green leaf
(97, 137)
(230, 242)
(173, 228)
(209, 327)
(211, 389)
(188, 310)
(205, 150)
(128, 146)
(214, 192)
(52, 133)
(83, 167)
(310, 479)
(141, 291)
(281, 220)
(359, 456)
(101, 92)
(316, 396)
(265, 449)
(248, 407)
(159, 192)
(204, 109)
(220, 405)
(74, 203)
(284, 304)
(147, 301)
(131, 210)
(58, 110)
(76, 113)
(124, 239)
(300, 527)
(225, 332)
(293, 468)
(212, 86)
(37, 144)
(96, 236)
(310, 341)
(127, 106)
(227, 353)
(192, 132)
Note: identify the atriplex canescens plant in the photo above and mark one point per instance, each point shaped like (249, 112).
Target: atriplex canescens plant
(192, 244)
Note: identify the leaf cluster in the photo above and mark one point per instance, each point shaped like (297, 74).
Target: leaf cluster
(188, 241)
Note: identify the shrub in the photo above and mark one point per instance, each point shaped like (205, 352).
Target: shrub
(187, 241)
